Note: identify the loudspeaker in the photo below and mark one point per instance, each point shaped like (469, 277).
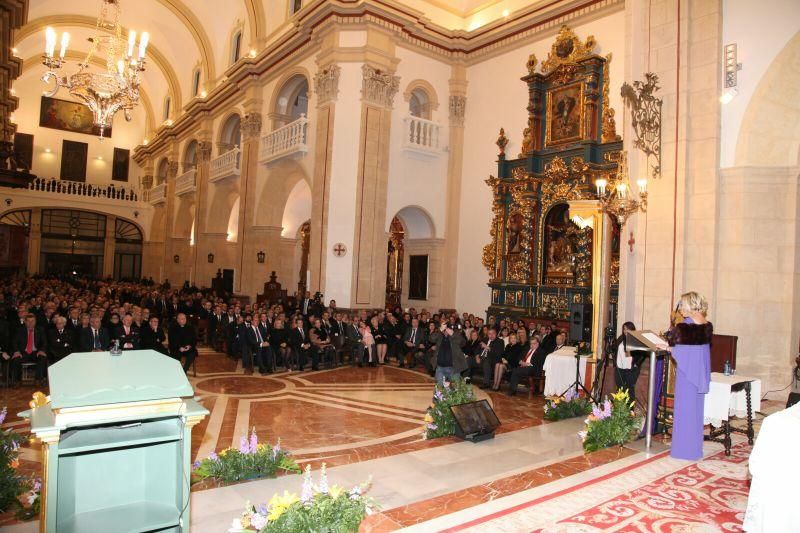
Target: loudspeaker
(475, 421)
(580, 322)
(794, 397)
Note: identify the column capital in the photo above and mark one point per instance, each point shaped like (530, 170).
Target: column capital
(172, 169)
(147, 181)
(326, 83)
(378, 86)
(204, 151)
(251, 125)
(458, 107)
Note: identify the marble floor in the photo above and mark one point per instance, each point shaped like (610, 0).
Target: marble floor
(362, 422)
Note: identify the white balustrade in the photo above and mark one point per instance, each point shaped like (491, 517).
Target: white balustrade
(110, 191)
(186, 183)
(225, 166)
(291, 139)
(421, 135)
(157, 194)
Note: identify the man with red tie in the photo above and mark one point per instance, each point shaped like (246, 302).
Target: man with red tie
(30, 346)
(526, 368)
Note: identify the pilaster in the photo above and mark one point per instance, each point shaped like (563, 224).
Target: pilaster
(170, 270)
(109, 246)
(251, 134)
(202, 272)
(35, 240)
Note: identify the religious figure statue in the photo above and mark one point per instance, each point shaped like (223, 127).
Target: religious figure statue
(514, 231)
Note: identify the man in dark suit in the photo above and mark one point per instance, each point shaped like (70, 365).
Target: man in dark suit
(127, 333)
(491, 355)
(255, 349)
(95, 338)
(60, 340)
(306, 305)
(183, 341)
(353, 340)
(30, 346)
(215, 326)
(527, 366)
(413, 342)
(152, 337)
(299, 340)
(74, 320)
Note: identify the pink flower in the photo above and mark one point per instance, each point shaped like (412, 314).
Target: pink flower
(253, 441)
(244, 446)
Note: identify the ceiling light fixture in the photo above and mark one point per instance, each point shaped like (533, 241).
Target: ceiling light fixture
(728, 95)
(105, 93)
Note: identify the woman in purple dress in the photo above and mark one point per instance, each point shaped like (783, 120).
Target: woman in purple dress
(690, 342)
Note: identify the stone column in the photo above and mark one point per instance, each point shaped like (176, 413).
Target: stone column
(326, 86)
(35, 240)
(109, 246)
(458, 104)
(251, 134)
(202, 274)
(170, 268)
(378, 90)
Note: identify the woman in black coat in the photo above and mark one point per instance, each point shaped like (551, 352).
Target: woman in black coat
(510, 360)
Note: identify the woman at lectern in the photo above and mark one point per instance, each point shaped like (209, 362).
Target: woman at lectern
(690, 341)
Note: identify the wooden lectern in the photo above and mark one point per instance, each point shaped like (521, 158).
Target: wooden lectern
(116, 438)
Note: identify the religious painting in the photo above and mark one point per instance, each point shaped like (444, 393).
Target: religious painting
(559, 246)
(68, 116)
(418, 277)
(119, 168)
(565, 114)
(514, 246)
(73, 160)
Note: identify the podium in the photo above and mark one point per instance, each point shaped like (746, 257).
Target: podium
(116, 443)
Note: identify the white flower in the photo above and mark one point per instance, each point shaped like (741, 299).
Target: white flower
(236, 526)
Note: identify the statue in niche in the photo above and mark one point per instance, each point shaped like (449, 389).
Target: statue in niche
(514, 245)
(561, 237)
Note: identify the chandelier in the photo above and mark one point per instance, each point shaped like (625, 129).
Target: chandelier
(105, 93)
(615, 194)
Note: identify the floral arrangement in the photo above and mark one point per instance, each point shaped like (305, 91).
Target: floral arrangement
(12, 484)
(251, 460)
(569, 405)
(612, 423)
(320, 508)
(34, 500)
(439, 420)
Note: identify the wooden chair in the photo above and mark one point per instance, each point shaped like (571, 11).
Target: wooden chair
(534, 382)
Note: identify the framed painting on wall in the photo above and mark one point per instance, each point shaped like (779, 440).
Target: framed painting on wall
(73, 160)
(418, 277)
(68, 116)
(119, 168)
(564, 114)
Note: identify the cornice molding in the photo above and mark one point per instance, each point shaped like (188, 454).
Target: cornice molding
(409, 26)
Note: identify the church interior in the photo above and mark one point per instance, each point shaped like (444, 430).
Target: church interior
(382, 265)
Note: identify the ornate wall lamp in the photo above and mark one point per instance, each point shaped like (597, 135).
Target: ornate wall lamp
(261, 256)
(176, 258)
(210, 258)
(616, 196)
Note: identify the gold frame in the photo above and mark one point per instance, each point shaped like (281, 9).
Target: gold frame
(581, 115)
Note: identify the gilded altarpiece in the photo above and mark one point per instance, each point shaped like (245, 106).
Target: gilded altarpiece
(540, 258)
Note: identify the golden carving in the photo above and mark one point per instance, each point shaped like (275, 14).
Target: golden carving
(531, 64)
(612, 157)
(491, 252)
(527, 138)
(502, 141)
(567, 48)
(520, 174)
(556, 170)
(564, 74)
(609, 123)
(519, 265)
(614, 275)
(39, 400)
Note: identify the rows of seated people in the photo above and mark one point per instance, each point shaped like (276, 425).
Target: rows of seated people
(44, 319)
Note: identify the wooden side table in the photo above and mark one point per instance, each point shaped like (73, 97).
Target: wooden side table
(723, 433)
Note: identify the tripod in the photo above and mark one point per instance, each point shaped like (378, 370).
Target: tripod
(578, 384)
(602, 364)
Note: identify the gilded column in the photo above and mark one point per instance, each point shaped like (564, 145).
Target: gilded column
(201, 274)
(326, 87)
(457, 111)
(378, 90)
(251, 133)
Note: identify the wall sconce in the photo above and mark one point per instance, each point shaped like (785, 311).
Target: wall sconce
(261, 256)
(176, 258)
(210, 258)
(9, 201)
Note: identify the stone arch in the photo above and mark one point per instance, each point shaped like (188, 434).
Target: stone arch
(225, 196)
(190, 155)
(233, 222)
(290, 99)
(282, 177)
(230, 133)
(297, 209)
(161, 171)
(421, 98)
(417, 222)
(158, 225)
(770, 130)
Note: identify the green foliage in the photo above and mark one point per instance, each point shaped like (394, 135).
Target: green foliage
(439, 420)
(319, 509)
(251, 460)
(567, 406)
(613, 424)
(12, 484)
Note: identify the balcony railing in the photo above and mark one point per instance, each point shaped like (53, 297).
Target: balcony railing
(291, 139)
(421, 135)
(109, 191)
(186, 183)
(157, 194)
(225, 166)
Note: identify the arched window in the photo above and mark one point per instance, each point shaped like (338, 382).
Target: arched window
(294, 6)
(167, 106)
(190, 156)
(236, 47)
(196, 82)
(419, 104)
